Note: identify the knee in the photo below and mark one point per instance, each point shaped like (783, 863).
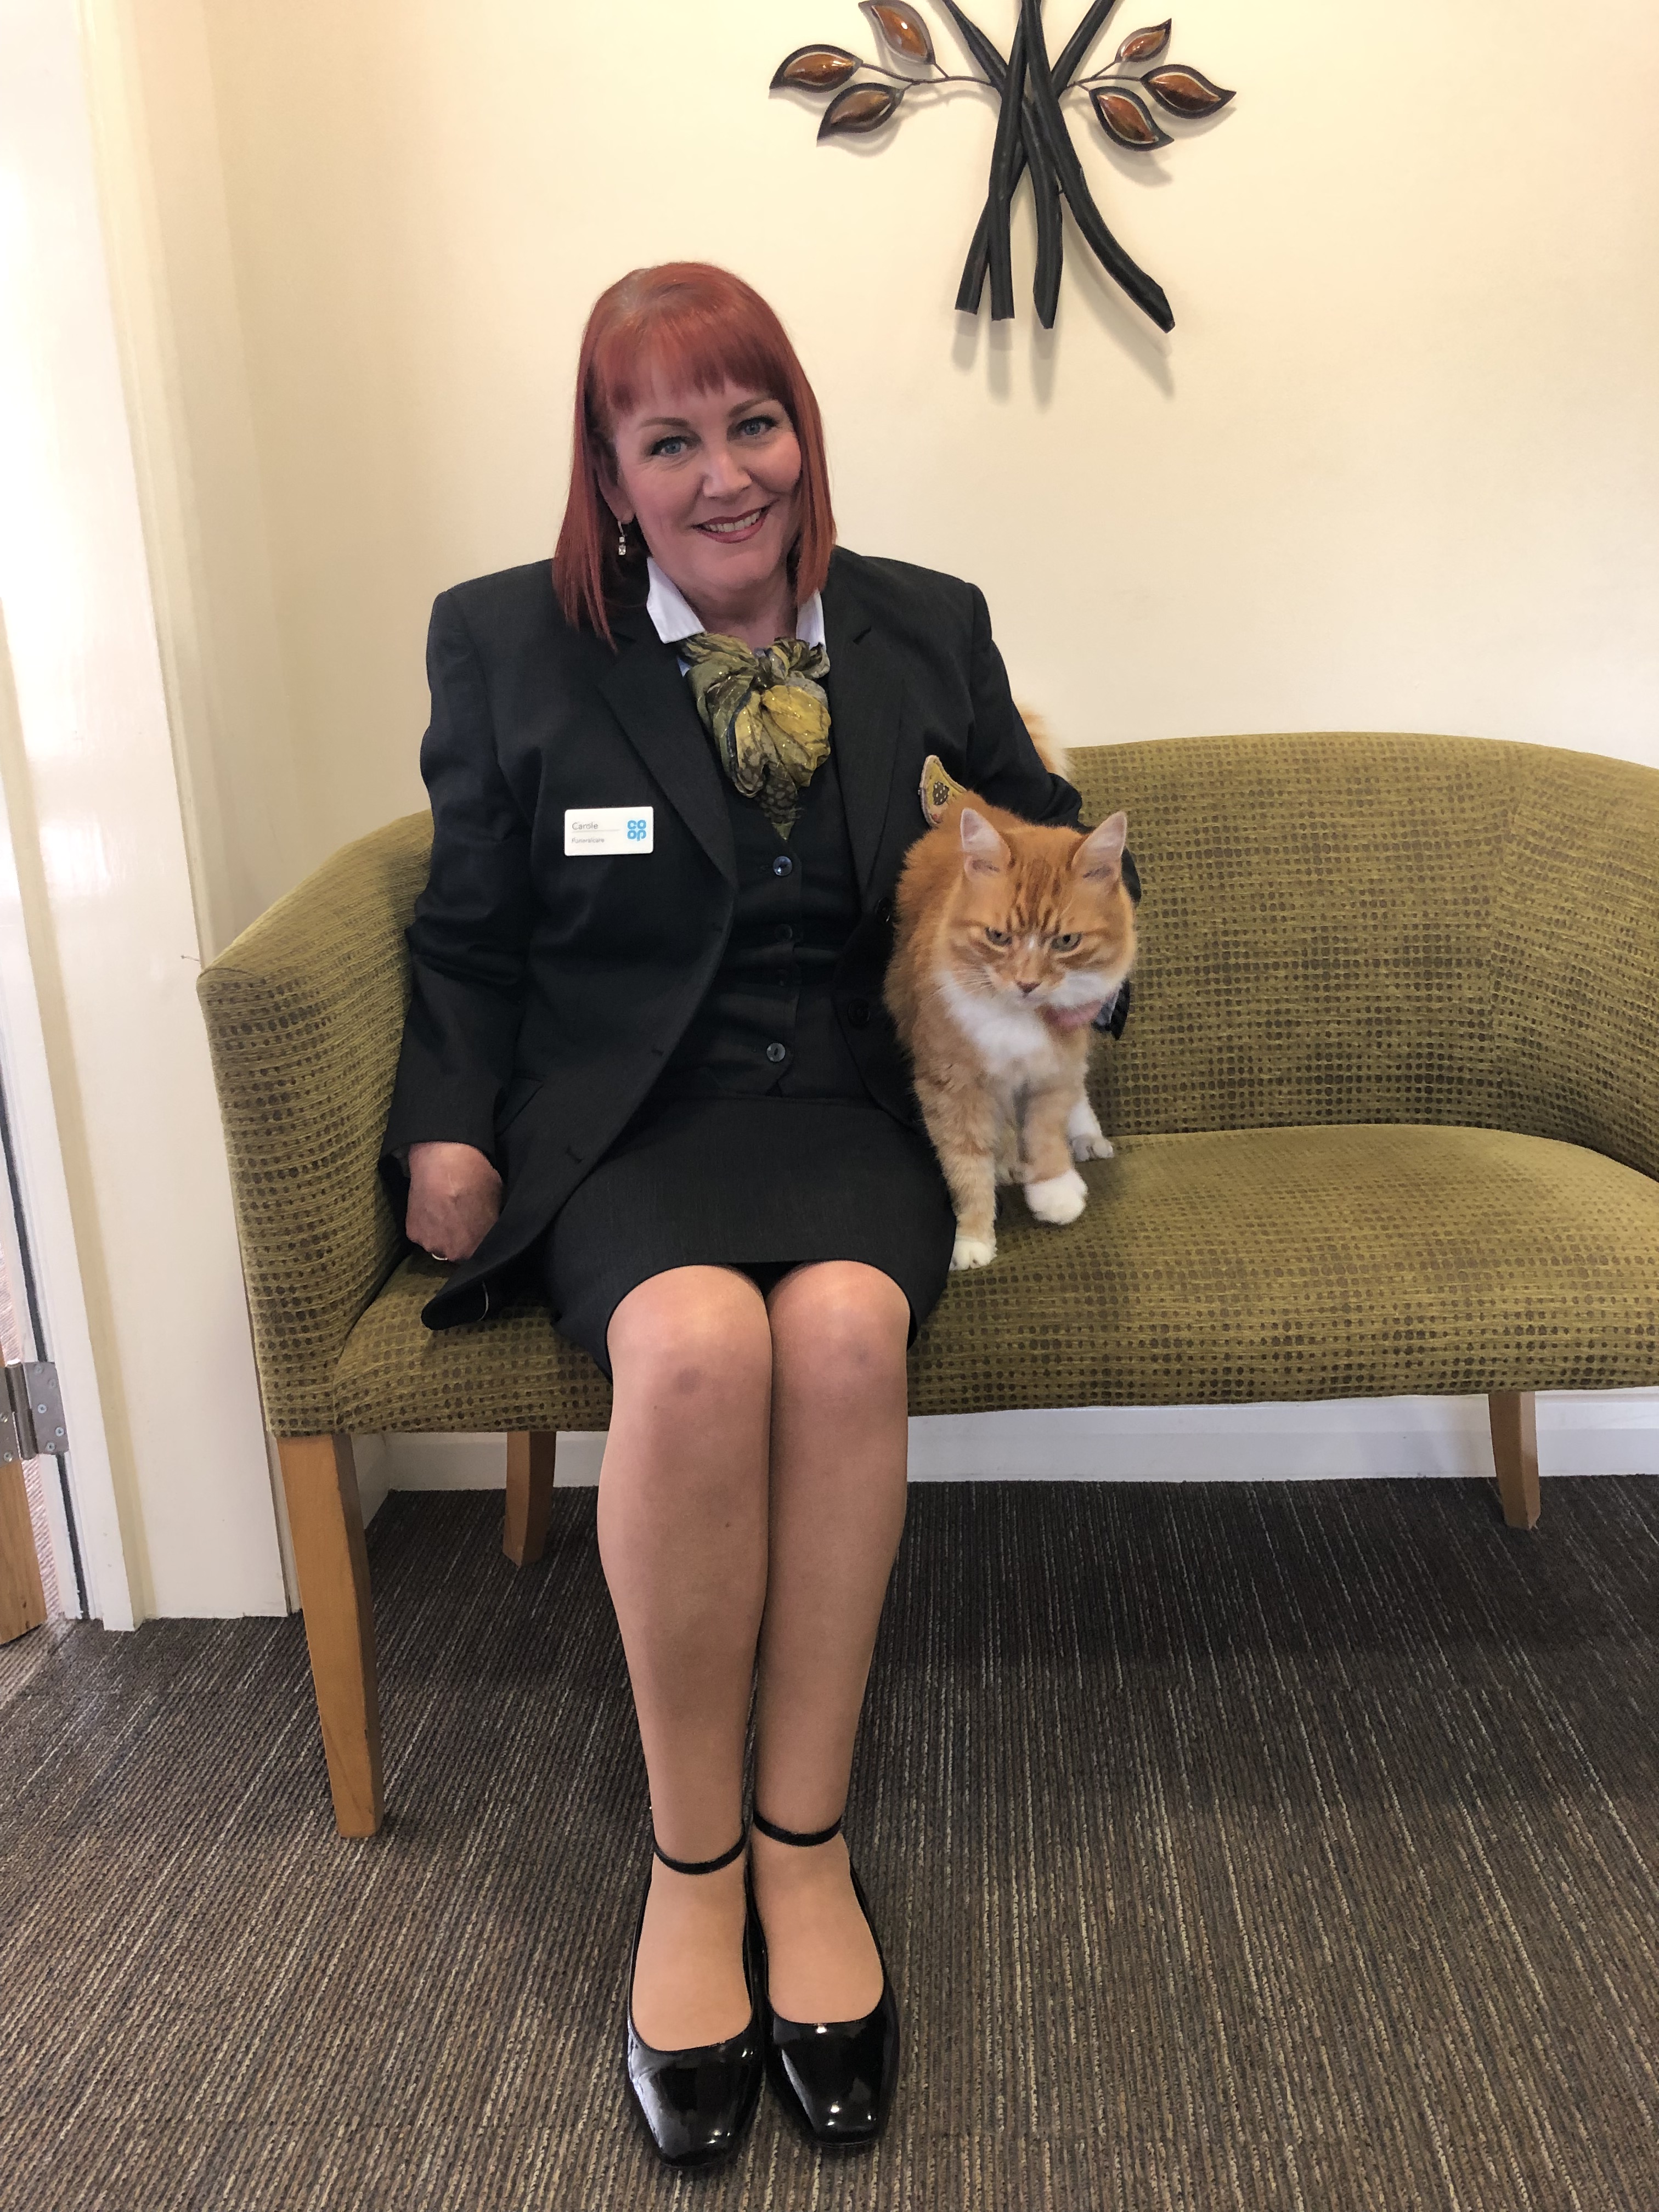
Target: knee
(845, 1332)
(701, 1361)
(695, 1348)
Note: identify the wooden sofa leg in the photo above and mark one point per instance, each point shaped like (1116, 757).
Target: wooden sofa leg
(529, 1494)
(1515, 1449)
(325, 1518)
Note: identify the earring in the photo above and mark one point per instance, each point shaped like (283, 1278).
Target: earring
(622, 540)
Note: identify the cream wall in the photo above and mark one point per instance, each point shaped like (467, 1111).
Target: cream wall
(1396, 466)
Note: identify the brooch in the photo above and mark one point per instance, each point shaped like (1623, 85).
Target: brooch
(939, 788)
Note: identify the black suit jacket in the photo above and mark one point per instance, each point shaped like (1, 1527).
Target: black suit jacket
(548, 990)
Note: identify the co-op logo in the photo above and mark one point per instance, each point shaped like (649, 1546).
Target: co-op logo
(637, 826)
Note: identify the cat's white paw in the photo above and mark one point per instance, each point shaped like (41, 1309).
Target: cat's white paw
(1061, 1198)
(1084, 1133)
(973, 1252)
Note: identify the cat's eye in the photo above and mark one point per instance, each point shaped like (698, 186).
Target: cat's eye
(1068, 941)
(999, 936)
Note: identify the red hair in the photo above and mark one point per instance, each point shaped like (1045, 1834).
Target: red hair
(685, 325)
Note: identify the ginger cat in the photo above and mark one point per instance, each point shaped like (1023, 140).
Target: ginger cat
(1010, 939)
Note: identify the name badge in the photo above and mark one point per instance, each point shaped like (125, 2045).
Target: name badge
(608, 829)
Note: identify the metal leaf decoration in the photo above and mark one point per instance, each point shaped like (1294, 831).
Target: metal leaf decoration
(817, 69)
(1033, 135)
(862, 107)
(1144, 45)
(1125, 117)
(1185, 92)
(902, 29)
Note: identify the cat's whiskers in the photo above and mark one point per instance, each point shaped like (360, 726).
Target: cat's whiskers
(1084, 986)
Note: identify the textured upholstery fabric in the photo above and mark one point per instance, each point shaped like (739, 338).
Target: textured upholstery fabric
(1348, 1262)
(304, 1014)
(1369, 928)
(1375, 971)
(512, 1371)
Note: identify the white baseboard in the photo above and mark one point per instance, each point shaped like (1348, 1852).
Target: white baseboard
(1579, 1432)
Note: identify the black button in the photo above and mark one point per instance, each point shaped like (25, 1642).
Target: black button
(777, 1052)
(786, 933)
(858, 1013)
(784, 864)
(886, 910)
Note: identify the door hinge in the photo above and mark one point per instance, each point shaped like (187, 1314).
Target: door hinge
(31, 1419)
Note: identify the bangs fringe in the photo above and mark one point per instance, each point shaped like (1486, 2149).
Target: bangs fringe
(676, 349)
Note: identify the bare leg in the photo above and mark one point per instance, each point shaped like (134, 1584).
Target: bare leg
(839, 1439)
(683, 1520)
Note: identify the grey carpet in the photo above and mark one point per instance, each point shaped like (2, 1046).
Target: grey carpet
(1236, 1846)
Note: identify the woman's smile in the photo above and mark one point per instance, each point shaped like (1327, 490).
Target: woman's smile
(736, 528)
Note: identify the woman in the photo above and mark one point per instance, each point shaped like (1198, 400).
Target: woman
(647, 1055)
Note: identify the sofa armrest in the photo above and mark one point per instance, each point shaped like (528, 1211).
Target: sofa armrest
(305, 1014)
(1575, 956)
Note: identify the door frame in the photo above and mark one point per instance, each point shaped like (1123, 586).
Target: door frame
(43, 1194)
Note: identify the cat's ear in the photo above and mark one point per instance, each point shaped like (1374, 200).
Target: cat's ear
(983, 853)
(1100, 856)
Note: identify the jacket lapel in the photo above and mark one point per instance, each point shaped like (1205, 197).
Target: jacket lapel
(866, 703)
(648, 695)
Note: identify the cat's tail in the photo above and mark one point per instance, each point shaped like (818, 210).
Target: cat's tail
(1053, 755)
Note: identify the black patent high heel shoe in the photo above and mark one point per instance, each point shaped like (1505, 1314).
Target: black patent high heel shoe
(836, 2076)
(697, 2103)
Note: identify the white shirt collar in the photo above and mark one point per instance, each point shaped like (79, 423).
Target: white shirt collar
(673, 616)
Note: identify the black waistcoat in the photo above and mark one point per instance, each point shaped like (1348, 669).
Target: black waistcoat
(767, 1022)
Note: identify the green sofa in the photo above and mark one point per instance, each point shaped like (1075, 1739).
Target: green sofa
(1387, 1113)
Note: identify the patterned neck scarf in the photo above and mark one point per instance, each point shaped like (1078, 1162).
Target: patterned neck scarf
(766, 714)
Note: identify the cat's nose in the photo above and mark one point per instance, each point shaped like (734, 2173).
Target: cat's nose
(1028, 988)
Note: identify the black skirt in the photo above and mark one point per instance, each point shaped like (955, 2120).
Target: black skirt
(762, 1184)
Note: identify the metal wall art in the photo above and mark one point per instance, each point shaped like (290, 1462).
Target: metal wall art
(1032, 132)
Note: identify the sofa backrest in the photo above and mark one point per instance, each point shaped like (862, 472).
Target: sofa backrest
(1357, 928)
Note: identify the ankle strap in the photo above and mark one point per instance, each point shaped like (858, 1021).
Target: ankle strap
(797, 1835)
(700, 1866)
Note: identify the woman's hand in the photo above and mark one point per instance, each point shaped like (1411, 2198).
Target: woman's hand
(454, 1196)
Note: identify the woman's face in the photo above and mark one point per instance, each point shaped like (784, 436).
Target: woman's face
(713, 479)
